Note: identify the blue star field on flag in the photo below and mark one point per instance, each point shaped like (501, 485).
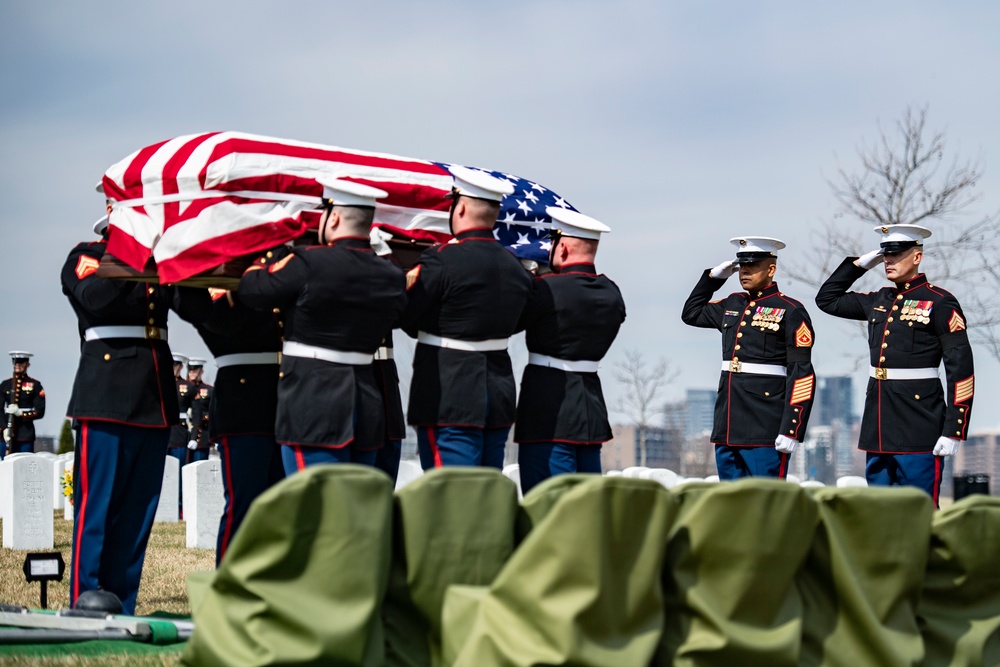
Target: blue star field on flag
(523, 226)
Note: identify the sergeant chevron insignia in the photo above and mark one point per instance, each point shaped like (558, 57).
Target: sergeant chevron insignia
(411, 276)
(86, 266)
(803, 336)
(956, 322)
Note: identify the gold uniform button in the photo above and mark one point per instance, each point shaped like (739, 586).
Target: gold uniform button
(151, 290)
(281, 374)
(791, 432)
(270, 254)
(796, 409)
(753, 303)
(961, 409)
(884, 345)
(276, 310)
(958, 433)
(739, 335)
(243, 380)
(885, 333)
(907, 285)
(743, 324)
(746, 312)
(152, 321)
(895, 307)
(107, 357)
(152, 305)
(916, 396)
(737, 347)
(795, 421)
(890, 319)
(959, 421)
(899, 298)
(881, 358)
(767, 393)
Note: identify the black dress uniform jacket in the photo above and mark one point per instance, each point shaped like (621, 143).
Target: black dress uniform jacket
(201, 414)
(180, 434)
(766, 327)
(31, 400)
(124, 380)
(905, 416)
(245, 397)
(471, 289)
(573, 315)
(341, 297)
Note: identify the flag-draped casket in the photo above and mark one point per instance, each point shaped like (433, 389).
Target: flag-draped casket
(187, 206)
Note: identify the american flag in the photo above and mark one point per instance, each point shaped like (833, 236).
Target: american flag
(197, 201)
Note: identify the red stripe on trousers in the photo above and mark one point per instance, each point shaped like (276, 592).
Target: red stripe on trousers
(938, 468)
(300, 460)
(81, 515)
(432, 441)
(227, 533)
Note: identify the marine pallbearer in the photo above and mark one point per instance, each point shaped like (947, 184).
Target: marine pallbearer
(23, 403)
(199, 442)
(340, 301)
(767, 383)
(465, 300)
(570, 321)
(909, 423)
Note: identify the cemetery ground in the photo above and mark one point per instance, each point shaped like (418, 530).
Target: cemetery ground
(164, 586)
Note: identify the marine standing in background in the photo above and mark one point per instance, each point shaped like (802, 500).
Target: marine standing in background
(181, 433)
(340, 301)
(465, 300)
(200, 442)
(571, 320)
(242, 404)
(124, 401)
(767, 384)
(909, 424)
(23, 403)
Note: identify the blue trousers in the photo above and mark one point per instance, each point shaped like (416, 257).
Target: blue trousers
(441, 446)
(250, 465)
(117, 474)
(179, 453)
(920, 470)
(25, 447)
(540, 460)
(739, 462)
(387, 458)
(195, 455)
(298, 457)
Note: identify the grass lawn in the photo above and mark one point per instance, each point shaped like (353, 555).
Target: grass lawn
(164, 586)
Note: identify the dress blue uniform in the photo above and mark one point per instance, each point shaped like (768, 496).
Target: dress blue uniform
(570, 322)
(767, 384)
(199, 441)
(242, 405)
(125, 401)
(465, 300)
(339, 301)
(912, 327)
(28, 395)
(181, 433)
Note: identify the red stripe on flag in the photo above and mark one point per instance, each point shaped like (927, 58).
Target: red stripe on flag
(132, 178)
(172, 168)
(127, 249)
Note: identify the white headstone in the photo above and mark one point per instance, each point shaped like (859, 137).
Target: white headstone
(58, 499)
(203, 502)
(851, 480)
(794, 479)
(168, 511)
(811, 482)
(5, 482)
(49, 455)
(712, 478)
(633, 471)
(27, 523)
(513, 473)
(667, 478)
(613, 473)
(408, 472)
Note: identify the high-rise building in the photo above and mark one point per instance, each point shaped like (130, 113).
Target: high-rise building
(834, 400)
(663, 448)
(699, 411)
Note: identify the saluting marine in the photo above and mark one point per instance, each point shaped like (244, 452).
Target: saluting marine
(909, 424)
(571, 320)
(23, 403)
(200, 442)
(767, 384)
(340, 301)
(465, 300)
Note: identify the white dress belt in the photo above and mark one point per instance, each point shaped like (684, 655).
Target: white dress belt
(247, 359)
(536, 359)
(384, 354)
(488, 345)
(903, 373)
(149, 333)
(293, 349)
(184, 416)
(756, 369)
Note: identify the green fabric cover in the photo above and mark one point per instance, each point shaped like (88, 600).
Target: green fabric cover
(862, 581)
(303, 578)
(452, 526)
(536, 505)
(959, 611)
(582, 589)
(732, 557)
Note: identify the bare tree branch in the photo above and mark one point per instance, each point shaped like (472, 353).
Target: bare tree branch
(642, 384)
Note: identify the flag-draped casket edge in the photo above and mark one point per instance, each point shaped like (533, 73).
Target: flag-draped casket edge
(206, 204)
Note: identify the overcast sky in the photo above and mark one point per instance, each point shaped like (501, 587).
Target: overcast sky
(679, 124)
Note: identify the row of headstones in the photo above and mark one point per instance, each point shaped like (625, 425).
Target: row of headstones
(31, 487)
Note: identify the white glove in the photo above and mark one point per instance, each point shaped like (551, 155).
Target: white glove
(785, 444)
(379, 240)
(870, 260)
(192, 444)
(13, 409)
(6, 435)
(724, 270)
(946, 446)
